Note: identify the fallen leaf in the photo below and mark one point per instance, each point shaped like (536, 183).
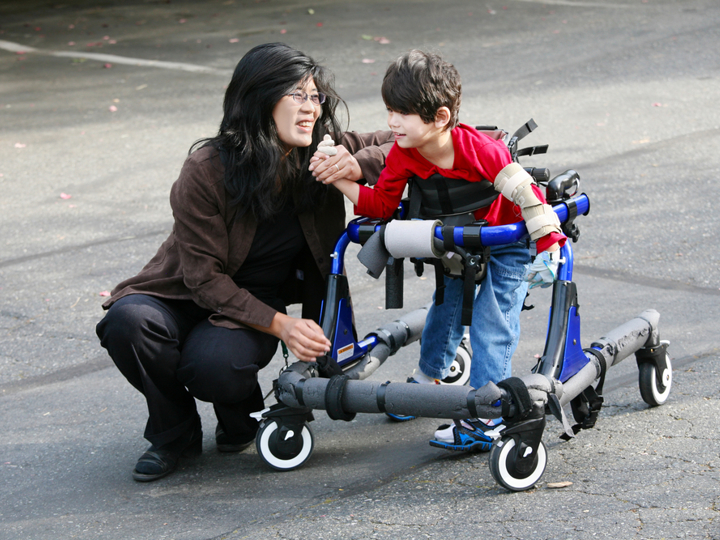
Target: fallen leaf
(112, 108)
(182, 21)
(366, 37)
(382, 40)
(71, 43)
(557, 485)
(104, 293)
(319, 24)
(311, 11)
(234, 40)
(107, 65)
(368, 61)
(20, 145)
(65, 196)
(657, 104)
(283, 31)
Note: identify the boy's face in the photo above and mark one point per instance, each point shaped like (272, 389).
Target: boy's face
(410, 131)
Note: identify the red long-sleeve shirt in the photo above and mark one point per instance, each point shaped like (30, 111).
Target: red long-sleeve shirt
(477, 157)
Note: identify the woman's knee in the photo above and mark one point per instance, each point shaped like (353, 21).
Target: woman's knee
(135, 321)
(221, 365)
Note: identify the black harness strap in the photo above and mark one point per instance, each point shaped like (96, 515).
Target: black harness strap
(443, 194)
(587, 405)
(472, 407)
(415, 201)
(333, 398)
(448, 238)
(381, 396)
(468, 295)
(439, 282)
(520, 398)
(299, 392)
(525, 130)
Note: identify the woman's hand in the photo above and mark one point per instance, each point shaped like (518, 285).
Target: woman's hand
(304, 337)
(328, 169)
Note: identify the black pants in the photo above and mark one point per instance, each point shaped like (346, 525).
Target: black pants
(169, 351)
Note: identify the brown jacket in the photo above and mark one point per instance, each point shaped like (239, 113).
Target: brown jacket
(208, 244)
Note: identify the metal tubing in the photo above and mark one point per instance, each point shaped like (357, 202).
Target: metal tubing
(428, 400)
(617, 345)
(298, 386)
(392, 335)
(629, 337)
(576, 384)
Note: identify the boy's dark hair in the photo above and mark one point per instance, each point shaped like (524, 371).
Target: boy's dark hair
(420, 83)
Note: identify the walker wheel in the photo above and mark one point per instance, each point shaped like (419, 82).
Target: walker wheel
(652, 392)
(281, 448)
(460, 368)
(504, 465)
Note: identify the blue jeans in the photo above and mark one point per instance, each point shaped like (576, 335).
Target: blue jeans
(495, 329)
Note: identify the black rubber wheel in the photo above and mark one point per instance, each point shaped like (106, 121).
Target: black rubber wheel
(652, 392)
(503, 468)
(285, 455)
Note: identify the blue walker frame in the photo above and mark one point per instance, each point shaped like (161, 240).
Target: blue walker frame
(565, 374)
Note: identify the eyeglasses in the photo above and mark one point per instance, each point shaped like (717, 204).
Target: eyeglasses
(302, 97)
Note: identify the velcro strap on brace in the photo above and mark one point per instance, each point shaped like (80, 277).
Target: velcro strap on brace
(512, 181)
(520, 395)
(540, 220)
(333, 398)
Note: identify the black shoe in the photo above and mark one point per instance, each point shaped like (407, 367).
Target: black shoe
(157, 462)
(226, 443)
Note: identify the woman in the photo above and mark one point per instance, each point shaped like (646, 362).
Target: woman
(253, 232)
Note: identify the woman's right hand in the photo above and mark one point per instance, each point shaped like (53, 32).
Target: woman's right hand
(303, 337)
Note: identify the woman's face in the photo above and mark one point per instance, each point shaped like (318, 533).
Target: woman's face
(295, 121)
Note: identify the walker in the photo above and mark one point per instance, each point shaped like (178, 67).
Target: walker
(566, 373)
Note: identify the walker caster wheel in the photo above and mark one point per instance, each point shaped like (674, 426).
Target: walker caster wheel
(460, 368)
(281, 447)
(654, 392)
(513, 472)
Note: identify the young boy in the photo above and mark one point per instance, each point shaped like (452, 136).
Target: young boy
(422, 95)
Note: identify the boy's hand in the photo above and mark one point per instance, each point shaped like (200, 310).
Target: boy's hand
(328, 169)
(543, 270)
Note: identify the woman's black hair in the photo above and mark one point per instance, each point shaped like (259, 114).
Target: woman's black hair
(254, 158)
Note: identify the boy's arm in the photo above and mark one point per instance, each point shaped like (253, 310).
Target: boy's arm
(348, 188)
(517, 185)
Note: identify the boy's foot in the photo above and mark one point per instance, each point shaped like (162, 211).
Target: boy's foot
(421, 379)
(474, 435)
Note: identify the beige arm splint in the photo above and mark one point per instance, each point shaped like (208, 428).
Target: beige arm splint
(516, 185)
(327, 146)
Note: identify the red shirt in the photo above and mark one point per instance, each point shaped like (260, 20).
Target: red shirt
(477, 157)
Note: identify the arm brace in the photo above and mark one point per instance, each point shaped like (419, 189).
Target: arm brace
(516, 185)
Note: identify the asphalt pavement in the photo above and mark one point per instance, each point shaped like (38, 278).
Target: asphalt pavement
(99, 104)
